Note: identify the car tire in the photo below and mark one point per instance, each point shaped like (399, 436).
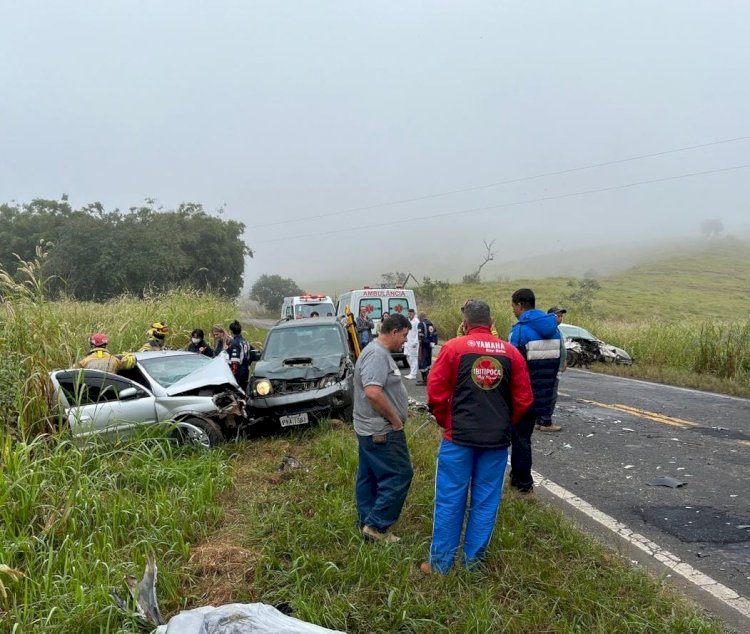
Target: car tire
(201, 432)
(573, 359)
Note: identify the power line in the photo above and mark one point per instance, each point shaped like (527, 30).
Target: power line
(496, 184)
(510, 204)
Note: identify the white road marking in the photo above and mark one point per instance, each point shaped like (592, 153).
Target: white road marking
(671, 387)
(719, 591)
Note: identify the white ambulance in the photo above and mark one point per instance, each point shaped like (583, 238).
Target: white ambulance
(301, 306)
(378, 301)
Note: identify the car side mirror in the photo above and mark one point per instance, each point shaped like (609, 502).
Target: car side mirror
(128, 393)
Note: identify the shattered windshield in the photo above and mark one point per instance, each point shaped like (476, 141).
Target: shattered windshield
(166, 370)
(310, 341)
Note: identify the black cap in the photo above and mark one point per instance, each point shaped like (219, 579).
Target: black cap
(556, 309)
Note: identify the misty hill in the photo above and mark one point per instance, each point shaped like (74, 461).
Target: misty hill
(601, 261)
(710, 281)
(671, 281)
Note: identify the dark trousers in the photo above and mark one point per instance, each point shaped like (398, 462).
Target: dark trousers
(520, 457)
(425, 359)
(546, 420)
(383, 479)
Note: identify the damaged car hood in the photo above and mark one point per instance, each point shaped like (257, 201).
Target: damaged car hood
(217, 372)
(298, 368)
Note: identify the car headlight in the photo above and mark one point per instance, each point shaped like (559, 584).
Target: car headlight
(327, 381)
(262, 387)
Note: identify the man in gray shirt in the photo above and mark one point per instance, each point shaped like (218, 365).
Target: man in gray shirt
(380, 409)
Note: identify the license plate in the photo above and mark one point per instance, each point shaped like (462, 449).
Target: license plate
(293, 419)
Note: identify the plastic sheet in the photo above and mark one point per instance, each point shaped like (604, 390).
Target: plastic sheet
(239, 618)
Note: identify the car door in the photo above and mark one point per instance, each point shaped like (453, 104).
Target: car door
(103, 404)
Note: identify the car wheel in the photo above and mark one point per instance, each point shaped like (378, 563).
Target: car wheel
(572, 359)
(199, 432)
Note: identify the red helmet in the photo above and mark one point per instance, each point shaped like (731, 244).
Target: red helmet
(98, 340)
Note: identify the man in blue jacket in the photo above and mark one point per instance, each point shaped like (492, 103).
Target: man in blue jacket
(537, 338)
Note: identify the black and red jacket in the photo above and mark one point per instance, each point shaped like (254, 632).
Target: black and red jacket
(478, 387)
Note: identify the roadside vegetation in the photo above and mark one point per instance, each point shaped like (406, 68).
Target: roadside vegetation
(291, 536)
(74, 520)
(685, 319)
(228, 526)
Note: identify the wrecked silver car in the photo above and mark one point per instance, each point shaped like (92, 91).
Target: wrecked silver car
(306, 373)
(583, 348)
(194, 396)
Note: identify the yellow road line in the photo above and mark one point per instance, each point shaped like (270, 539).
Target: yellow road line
(680, 423)
(642, 413)
(662, 418)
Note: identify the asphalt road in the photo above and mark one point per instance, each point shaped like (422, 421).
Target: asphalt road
(620, 434)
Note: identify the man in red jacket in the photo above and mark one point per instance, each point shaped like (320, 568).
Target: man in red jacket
(478, 387)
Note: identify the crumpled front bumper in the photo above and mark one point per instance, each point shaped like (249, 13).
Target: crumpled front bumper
(320, 402)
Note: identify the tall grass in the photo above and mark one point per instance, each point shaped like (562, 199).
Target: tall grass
(74, 520)
(701, 347)
(37, 336)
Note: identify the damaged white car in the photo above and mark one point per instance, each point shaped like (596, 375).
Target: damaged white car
(583, 348)
(195, 397)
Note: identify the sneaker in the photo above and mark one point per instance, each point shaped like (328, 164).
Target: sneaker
(410, 377)
(524, 493)
(550, 427)
(425, 568)
(420, 382)
(374, 535)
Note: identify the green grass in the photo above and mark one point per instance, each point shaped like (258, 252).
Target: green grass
(683, 317)
(75, 520)
(541, 574)
(37, 336)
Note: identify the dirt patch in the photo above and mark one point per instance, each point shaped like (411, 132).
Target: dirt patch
(225, 571)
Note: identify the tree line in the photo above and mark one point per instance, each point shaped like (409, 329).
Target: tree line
(96, 254)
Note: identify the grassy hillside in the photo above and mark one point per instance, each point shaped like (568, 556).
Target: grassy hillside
(712, 283)
(685, 318)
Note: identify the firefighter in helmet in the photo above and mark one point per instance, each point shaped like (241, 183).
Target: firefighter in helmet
(99, 357)
(156, 334)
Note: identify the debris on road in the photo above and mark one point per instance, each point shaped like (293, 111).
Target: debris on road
(666, 481)
(627, 429)
(629, 466)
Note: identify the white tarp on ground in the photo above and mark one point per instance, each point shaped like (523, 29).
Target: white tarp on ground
(239, 618)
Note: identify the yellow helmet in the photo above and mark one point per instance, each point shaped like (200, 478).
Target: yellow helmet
(158, 330)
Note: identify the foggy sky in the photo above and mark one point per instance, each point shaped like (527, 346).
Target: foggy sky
(279, 111)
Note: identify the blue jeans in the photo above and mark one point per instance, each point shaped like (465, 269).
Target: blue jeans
(460, 470)
(383, 479)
